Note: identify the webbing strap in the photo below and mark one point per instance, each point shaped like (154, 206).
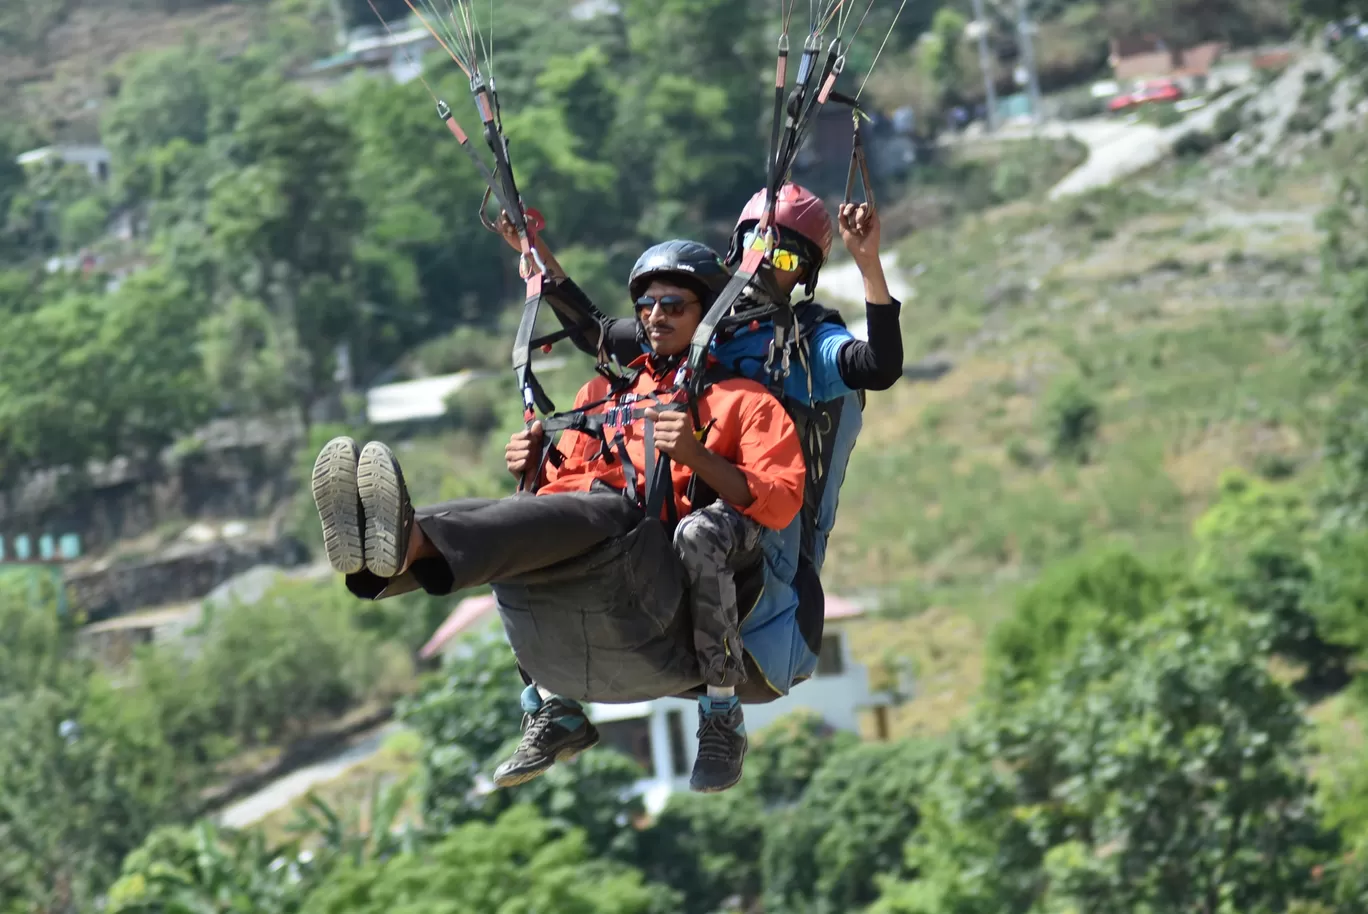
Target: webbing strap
(628, 471)
(652, 484)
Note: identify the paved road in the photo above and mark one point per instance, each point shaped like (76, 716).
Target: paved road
(280, 794)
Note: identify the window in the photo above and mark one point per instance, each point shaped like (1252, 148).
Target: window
(630, 737)
(829, 661)
(679, 759)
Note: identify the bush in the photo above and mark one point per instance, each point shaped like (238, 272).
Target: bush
(1073, 418)
(463, 349)
(266, 671)
(1102, 595)
(478, 407)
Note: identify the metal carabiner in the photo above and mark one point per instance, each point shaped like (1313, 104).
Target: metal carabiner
(859, 161)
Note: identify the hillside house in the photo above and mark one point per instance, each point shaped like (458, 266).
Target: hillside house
(397, 55)
(425, 400)
(93, 157)
(660, 735)
(1142, 57)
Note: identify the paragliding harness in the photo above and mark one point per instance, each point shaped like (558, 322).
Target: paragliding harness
(613, 413)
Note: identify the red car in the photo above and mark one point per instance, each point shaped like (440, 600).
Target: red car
(1159, 90)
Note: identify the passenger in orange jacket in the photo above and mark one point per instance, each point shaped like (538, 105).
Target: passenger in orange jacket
(748, 454)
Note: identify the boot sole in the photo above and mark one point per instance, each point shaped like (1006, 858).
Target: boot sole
(714, 788)
(384, 498)
(339, 505)
(516, 779)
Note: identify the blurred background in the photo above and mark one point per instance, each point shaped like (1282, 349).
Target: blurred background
(1096, 598)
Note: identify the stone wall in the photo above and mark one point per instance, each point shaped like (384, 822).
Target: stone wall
(231, 470)
(180, 575)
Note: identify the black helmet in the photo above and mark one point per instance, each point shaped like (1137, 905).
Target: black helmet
(689, 263)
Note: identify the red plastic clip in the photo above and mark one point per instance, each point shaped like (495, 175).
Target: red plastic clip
(546, 347)
(754, 326)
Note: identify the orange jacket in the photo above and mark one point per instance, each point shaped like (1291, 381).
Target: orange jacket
(749, 428)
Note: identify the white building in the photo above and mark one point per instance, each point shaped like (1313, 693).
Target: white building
(92, 157)
(426, 398)
(660, 734)
(398, 55)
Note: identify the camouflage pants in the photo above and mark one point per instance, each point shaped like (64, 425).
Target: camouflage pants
(713, 543)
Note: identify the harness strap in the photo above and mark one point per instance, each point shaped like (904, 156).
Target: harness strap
(652, 483)
(628, 471)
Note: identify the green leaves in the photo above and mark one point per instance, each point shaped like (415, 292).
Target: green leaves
(515, 864)
(121, 375)
(1158, 775)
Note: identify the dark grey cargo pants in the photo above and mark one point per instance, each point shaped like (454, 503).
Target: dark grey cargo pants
(714, 543)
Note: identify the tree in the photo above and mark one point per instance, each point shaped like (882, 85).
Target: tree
(716, 848)
(83, 778)
(1101, 595)
(829, 852)
(942, 53)
(426, 262)
(1256, 545)
(516, 863)
(285, 223)
(118, 375)
(201, 869)
(172, 105)
(690, 127)
(466, 715)
(1164, 774)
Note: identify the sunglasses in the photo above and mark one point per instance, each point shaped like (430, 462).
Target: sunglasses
(673, 305)
(784, 259)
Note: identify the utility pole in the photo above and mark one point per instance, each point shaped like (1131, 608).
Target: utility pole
(1026, 36)
(980, 27)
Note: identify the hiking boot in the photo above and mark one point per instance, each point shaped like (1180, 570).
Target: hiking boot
(386, 509)
(721, 745)
(339, 505)
(554, 730)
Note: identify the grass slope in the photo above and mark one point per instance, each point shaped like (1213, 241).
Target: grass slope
(1170, 304)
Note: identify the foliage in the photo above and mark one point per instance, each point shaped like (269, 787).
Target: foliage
(85, 776)
(715, 848)
(514, 863)
(466, 714)
(1101, 596)
(1161, 775)
(198, 868)
(1254, 545)
(830, 851)
(1073, 418)
(267, 670)
(1335, 335)
(121, 375)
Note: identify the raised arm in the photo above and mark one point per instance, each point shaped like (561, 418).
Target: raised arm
(575, 311)
(876, 364)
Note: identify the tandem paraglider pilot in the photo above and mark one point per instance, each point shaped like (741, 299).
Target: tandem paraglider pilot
(615, 566)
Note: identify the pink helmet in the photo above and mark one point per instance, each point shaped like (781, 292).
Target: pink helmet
(799, 210)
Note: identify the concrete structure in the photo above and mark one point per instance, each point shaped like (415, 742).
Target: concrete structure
(425, 399)
(93, 158)
(398, 56)
(660, 734)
